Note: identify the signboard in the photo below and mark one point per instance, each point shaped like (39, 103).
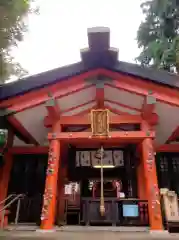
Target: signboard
(100, 122)
(90, 158)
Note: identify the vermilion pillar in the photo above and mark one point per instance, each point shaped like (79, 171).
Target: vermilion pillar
(5, 172)
(152, 190)
(50, 193)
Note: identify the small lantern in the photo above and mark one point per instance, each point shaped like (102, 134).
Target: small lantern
(3, 137)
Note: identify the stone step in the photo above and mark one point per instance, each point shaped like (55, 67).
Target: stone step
(102, 228)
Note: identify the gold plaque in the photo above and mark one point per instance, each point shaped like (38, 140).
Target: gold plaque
(100, 122)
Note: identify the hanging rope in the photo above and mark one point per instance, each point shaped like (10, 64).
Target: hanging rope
(102, 207)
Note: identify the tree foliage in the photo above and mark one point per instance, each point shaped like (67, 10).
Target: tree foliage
(12, 28)
(158, 35)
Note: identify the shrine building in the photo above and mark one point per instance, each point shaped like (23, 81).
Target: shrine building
(92, 143)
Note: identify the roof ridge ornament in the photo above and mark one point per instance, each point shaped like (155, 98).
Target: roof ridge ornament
(99, 53)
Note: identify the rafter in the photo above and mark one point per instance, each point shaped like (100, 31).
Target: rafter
(48, 120)
(17, 125)
(142, 87)
(123, 106)
(173, 136)
(58, 90)
(116, 111)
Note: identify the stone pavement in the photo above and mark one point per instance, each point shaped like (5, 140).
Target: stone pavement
(89, 235)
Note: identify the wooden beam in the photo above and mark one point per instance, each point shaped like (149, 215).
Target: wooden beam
(128, 108)
(95, 145)
(113, 136)
(148, 106)
(174, 135)
(48, 121)
(86, 120)
(29, 150)
(116, 111)
(168, 148)
(58, 90)
(17, 125)
(141, 87)
(77, 83)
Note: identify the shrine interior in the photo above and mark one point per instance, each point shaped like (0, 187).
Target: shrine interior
(82, 186)
(29, 171)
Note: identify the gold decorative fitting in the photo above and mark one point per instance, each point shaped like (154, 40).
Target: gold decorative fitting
(100, 122)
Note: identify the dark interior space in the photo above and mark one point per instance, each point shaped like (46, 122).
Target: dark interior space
(168, 171)
(28, 177)
(127, 173)
(73, 219)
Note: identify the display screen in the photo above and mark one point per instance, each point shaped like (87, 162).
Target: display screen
(130, 210)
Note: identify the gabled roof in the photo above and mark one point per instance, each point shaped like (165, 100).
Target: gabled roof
(99, 54)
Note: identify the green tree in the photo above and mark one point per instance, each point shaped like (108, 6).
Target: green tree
(12, 28)
(158, 35)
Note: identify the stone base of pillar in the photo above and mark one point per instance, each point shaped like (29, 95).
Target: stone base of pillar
(46, 231)
(159, 232)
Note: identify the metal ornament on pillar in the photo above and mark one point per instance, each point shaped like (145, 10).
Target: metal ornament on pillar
(48, 191)
(47, 200)
(51, 163)
(154, 191)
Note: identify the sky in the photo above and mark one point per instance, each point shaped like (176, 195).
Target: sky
(59, 31)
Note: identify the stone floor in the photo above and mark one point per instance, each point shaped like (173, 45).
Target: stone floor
(27, 232)
(96, 235)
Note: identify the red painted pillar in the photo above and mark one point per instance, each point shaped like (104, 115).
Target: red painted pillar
(5, 173)
(152, 190)
(50, 193)
(61, 186)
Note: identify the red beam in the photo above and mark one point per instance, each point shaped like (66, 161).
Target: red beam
(142, 87)
(58, 90)
(96, 145)
(168, 148)
(113, 136)
(29, 150)
(174, 135)
(17, 125)
(78, 106)
(123, 105)
(116, 111)
(48, 121)
(77, 83)
(86, 120)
